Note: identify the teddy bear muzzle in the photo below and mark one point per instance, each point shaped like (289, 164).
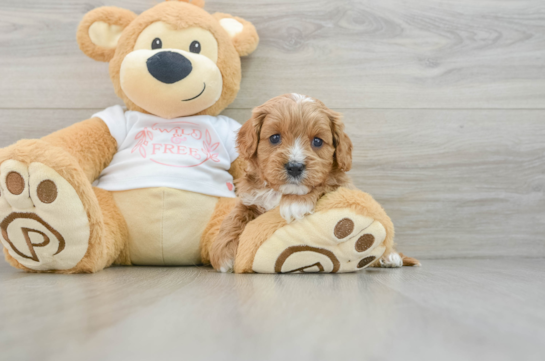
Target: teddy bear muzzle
(170, 83)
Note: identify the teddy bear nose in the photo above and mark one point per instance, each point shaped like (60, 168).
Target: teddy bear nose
(169, 67)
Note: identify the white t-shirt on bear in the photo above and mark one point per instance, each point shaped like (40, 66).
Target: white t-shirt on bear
(190, 153)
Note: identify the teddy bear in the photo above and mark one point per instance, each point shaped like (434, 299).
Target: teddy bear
(151, 182)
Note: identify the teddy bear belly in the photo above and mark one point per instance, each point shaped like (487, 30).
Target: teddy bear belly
(165, 224)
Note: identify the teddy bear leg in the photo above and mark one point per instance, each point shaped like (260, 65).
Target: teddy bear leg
(115, 239)
(347, 232)
(51, 220)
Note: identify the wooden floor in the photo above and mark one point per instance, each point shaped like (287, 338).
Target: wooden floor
(446, 310)
(445, 103)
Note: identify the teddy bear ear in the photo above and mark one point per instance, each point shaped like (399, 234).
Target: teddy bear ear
(242, 33)
(100, 29)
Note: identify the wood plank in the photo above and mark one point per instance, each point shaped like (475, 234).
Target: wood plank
(469, 183)
(350, 54)
(445, 310)
(457, 183)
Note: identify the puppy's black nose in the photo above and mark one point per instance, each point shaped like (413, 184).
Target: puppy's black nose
(294, 169)
(169, 67)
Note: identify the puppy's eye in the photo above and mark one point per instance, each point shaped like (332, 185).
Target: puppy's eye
(195, 47)
(156, 44)
(317, 142)
(275, 139)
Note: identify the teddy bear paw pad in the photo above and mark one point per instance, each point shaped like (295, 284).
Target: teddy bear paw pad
(333, 241)
(43, 224)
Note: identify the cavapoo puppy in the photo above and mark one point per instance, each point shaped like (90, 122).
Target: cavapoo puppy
(297, 151)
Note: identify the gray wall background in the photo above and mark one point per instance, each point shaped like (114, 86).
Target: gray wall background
(444, 101)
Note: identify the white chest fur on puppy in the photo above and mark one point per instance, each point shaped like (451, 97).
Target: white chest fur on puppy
(296, 210)
(190, 153)
(268, 198)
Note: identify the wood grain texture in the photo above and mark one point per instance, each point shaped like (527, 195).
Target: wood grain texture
(457, 183)
(350, 54)
(445, 310)
(444, 101)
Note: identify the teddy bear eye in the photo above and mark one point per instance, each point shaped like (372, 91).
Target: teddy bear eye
(317, 142)
(195, 47)
(156, 44)
(274, 139)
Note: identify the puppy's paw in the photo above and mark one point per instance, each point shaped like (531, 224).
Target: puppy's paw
(296, 209)
(222, 256)
(410, 261)
(226, 266)
(224, 263)
(392, 260)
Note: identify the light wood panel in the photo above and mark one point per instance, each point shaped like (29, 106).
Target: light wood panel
(351, 54)
(465, 183)
(444, 101)
(457, 183)
(445, 310)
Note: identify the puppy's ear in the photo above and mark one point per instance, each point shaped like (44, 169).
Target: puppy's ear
(248, 135)
(242, 33)
(343, 144)
(100, 29)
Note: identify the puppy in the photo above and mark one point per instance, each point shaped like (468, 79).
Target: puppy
(296, 151)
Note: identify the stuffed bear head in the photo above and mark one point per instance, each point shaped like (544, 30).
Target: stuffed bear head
(172, 60)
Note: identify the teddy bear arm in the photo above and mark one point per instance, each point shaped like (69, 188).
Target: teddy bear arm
(89, 142)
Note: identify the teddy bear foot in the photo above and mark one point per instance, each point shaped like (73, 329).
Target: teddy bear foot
(333, 241)
(44, 224)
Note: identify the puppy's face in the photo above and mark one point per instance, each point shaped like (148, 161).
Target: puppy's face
(295, 143)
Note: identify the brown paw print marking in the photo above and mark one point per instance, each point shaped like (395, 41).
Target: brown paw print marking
(294, 249)
(344, 228)
(47, 191)
(364, 262)
(31, 216)
(302, 269)
(15, 183)
(365, 242)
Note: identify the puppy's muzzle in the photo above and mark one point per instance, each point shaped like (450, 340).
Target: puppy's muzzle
(294, 170)
(169, 67)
